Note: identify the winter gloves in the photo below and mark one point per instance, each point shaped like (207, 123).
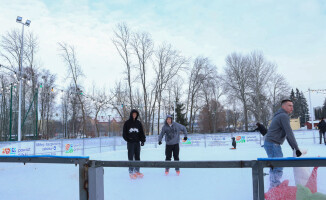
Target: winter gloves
(142, 144)
(298, 153)
(159, 143)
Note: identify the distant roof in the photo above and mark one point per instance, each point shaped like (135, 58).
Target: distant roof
(103, 119)
(315, 121)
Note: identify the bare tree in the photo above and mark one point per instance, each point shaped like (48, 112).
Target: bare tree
(232, 118)
(278, 90)
(4, 111)
(261, 74)
(119, 101)
(169, 64)
(65, 98)
(10, 55)
(68, 54)
(212, 118)
(100, 103)
(11, 49)
(142, 45)
(122, 42)
(47, 104)
(237, 80)
(210, 93)
(200, 71)
(31, 77)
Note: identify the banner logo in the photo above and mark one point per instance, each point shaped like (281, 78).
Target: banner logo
(240, 139)
(69, 148)
(7, 151)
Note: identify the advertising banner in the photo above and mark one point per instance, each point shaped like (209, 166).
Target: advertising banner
(73, 147)
(48, 147)
(17, 148)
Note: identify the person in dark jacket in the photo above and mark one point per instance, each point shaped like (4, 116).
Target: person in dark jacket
(261, 128)
(133, 134)
(234, 143)
(322, 129)
(278, 131)
(172, 131)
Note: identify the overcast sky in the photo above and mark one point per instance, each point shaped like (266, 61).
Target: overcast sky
(290, 33)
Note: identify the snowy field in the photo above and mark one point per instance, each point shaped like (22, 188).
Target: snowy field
(58, 181)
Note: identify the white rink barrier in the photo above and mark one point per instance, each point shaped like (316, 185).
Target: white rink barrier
(87, 146)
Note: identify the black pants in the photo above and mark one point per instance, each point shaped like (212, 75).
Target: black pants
(169, 149)
(133, 154)
(321, 134)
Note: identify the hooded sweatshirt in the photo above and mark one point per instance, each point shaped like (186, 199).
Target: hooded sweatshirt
(322, 126)
(172, 133)
(280, 129)
(133, 129)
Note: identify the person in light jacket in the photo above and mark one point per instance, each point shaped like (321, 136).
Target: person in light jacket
(171, 130)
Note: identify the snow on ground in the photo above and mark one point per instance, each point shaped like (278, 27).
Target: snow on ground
(58, 181)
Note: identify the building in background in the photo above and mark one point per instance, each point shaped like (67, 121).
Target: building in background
(308, 124)
(295, 123)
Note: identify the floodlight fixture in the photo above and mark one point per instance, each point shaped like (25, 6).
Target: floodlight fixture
(19, 19)
(28, 22)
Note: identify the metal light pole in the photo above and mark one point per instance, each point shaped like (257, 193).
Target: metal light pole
(312, 112)
(312, 117)
(109, 124)
(10, 114)
(27, 23)
(175, 104)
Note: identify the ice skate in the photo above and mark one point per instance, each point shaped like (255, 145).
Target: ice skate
(139, 175)
(132, 176)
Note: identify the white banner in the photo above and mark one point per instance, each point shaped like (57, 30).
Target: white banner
(17, 148)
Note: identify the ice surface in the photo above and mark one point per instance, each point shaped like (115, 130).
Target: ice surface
(59, 181)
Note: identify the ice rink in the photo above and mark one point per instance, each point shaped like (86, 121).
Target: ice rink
(58, 181)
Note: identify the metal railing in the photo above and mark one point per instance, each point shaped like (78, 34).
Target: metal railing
(285, 162)
(91, 172)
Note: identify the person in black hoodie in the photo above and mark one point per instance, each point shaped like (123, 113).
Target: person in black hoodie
(261, 128)
(322, 129)
(133, 134)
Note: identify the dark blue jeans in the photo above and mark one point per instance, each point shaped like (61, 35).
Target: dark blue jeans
(274, 150)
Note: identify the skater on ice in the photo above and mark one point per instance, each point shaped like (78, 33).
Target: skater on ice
(171, 130)
(278, 131)
(133, 134)
(234, 143)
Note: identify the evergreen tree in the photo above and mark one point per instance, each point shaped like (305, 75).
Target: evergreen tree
(297, 104)
(304, 111)
(300, 106)
(324, 109)
(180, 113)
(293, 98)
